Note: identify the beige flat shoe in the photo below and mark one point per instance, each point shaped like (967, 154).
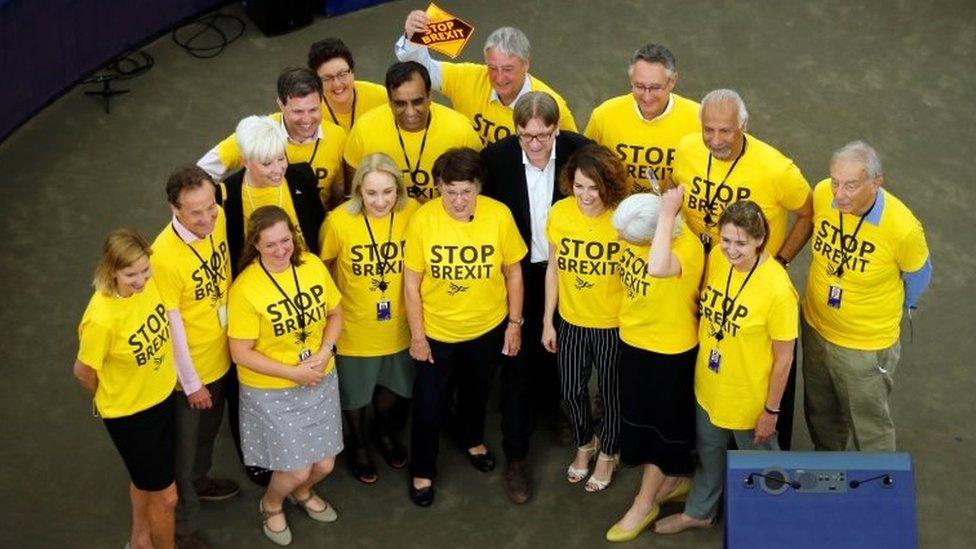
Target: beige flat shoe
(278, 537)
(323, 515)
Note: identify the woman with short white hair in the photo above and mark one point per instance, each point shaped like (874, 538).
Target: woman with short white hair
(660, 266)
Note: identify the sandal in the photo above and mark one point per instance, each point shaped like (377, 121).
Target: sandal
(362, 465)
(321, 515)
(279, 537)
(574, 475)
(393, 451)
(597, 485)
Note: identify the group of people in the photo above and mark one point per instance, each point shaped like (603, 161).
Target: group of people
(365, 257)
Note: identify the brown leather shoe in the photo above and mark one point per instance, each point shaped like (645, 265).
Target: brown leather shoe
(518, 481)
(191, 541)
(216, 489)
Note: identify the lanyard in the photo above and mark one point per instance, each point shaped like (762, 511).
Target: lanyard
(215, 277)
(728, 305)
(315, 149)
(839, 271)
(381, 262)
(303, 335)
(709, 201)
(423, 143)
(352, 118)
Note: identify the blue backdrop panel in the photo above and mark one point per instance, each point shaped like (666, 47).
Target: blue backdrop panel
(48, 45)
(828, 499)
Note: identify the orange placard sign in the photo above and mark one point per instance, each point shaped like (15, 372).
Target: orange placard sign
(445, 33)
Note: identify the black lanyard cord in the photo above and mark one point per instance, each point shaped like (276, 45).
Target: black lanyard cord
(381, 262)
(296, 303)
(215, 277)
(839, 271)
(710, 201)
(728, 303)
(423, 143)
(352, 118)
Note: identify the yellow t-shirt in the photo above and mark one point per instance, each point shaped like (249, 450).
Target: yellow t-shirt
(127, 342)
(889, 242)
(661, 314)
(259, 312)
(762, 175)
(377, 132)
(253, 198)
(644, 146)
(469, 89)
(326, 163)
(368, 96)
(765, 310)
(199, 291)
(587, 255)
(463, 289)
(360, 270)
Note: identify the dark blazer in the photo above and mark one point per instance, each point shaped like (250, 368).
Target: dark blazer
(506, 177)
(303, 186)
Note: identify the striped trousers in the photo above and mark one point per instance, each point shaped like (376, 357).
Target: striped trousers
(579, 350)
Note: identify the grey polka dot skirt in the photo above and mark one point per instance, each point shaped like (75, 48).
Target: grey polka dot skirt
(289, 429)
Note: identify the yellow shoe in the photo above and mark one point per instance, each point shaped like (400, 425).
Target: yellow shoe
(616, 533)
(680, 492)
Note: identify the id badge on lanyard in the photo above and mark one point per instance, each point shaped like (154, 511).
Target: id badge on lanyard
(714, 360)
(383, 310)
(834, 295)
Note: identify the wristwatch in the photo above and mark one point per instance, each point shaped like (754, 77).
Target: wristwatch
(518, 322)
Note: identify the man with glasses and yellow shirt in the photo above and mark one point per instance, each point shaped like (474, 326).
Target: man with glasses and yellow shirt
(870, 265)
(643, 127)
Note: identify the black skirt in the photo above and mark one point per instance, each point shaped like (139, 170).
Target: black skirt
(145, 440)
(657, 409)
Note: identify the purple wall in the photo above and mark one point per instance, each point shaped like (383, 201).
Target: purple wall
(48, 45)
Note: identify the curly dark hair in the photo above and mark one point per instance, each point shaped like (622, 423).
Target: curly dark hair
(599, 164)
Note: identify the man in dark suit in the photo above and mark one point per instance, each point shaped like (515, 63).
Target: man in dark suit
(523, 172)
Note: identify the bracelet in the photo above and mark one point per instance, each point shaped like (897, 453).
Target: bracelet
(782, 260)
(518, 322)
(769, 410)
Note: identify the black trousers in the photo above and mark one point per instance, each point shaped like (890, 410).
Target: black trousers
(529, 380)
(467, 365)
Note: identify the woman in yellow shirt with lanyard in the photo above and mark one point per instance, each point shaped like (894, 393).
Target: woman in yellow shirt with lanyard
(661, 269)
(748, 326)
(284, 321)
(582, 279)
(125, 358)
(363, 241)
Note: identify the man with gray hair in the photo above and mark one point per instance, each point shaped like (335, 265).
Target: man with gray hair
(870, 265)
(483, 93)
(726, 165)
(522, 171)
(644, 126)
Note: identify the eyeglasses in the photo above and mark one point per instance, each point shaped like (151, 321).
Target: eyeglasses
(452, 194)
(339, 76)
(653, 88)
(542, 138)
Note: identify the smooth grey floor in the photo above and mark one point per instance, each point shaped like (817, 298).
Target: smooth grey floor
(814, 75)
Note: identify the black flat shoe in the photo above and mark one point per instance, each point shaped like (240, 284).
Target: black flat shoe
(483, 462)
(258, 475)
(421, 497)
(362, 465)
(393, 451)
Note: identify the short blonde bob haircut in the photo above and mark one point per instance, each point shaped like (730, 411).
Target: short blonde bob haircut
(122, 248)
(376, 162)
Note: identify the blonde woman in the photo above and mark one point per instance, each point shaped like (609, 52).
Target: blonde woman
(363, 243)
